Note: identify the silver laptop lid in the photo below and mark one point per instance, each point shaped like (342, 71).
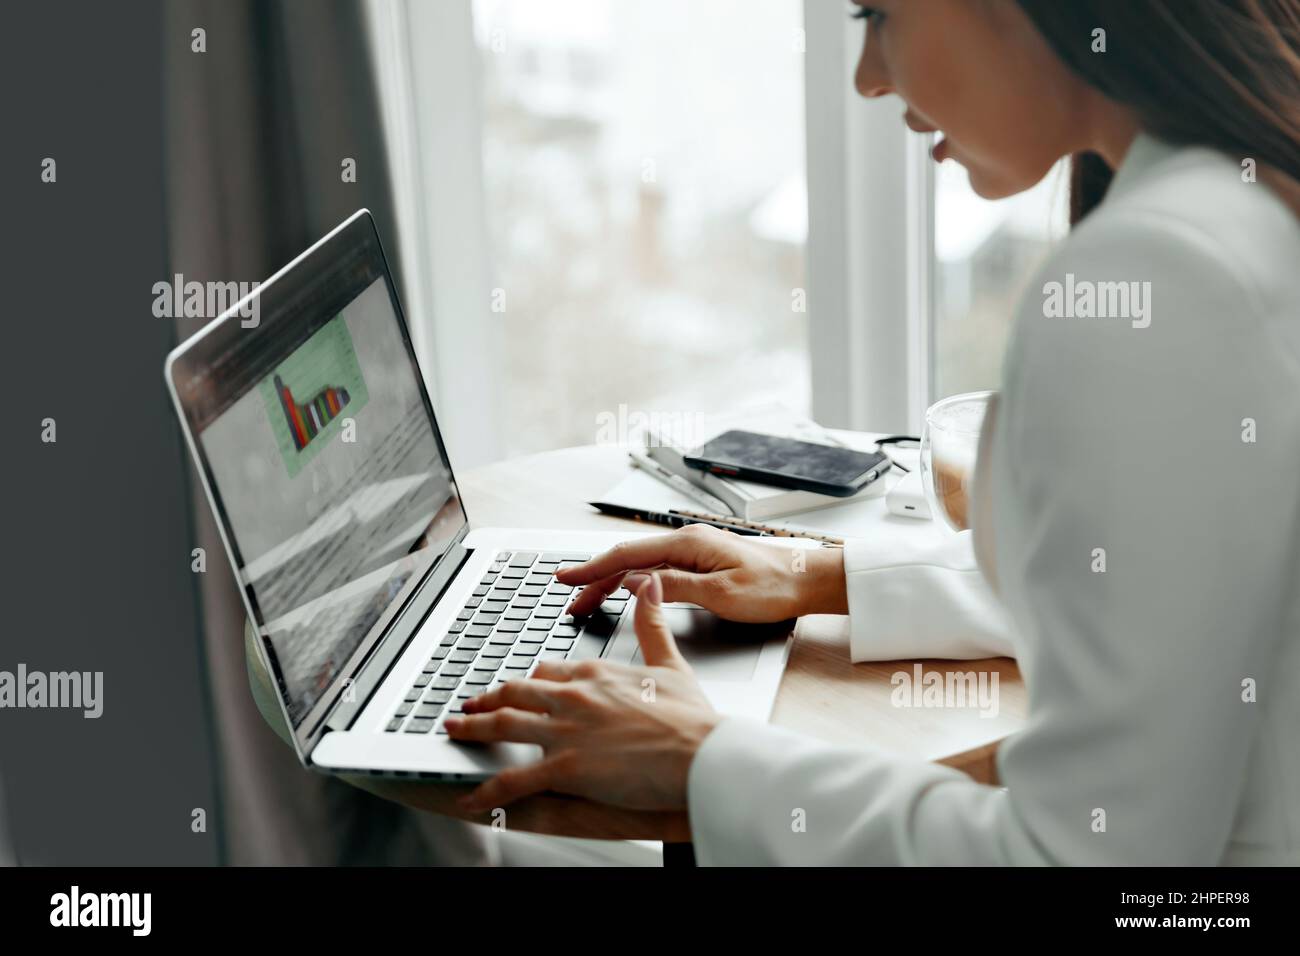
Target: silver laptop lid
(322, 461)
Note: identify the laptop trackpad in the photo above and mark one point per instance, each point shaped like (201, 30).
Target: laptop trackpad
(718, 650)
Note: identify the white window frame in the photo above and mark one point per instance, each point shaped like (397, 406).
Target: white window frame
(869, 255)
(870, 243)
(430, 91)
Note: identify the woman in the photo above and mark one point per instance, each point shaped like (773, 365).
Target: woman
(1137, 510)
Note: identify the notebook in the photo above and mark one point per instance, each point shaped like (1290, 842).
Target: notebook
(851, 518)
(749, 500)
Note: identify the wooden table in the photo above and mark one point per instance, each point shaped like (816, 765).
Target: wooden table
(822, 694)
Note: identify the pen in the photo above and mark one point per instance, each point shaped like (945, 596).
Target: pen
(678, 519)
(672, 519)
(742, 525)
(678, 483)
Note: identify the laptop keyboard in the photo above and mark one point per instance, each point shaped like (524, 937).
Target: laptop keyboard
(514, 619)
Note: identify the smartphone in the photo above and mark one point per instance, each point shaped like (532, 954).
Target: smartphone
(789, 463)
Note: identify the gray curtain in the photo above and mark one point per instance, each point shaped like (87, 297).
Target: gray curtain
(256, 130)
(8, 856)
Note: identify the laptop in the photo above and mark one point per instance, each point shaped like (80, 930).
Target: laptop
(379, 607)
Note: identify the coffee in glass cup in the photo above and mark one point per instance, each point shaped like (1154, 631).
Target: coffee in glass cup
(949, 445)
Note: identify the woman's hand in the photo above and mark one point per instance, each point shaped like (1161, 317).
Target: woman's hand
(616, 734)
(734, 576)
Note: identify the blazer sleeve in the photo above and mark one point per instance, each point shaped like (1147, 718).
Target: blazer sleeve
(1143, 610)
(921, 595)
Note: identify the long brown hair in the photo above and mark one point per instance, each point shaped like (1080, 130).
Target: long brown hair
(1218, 73)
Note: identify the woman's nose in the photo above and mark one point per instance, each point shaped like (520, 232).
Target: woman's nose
(871, 79)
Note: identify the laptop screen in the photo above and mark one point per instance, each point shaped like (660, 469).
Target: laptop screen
(325, 463)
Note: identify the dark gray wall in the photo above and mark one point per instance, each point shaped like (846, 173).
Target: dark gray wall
(97, 527)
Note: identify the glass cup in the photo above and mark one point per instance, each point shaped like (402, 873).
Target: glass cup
(949, 444)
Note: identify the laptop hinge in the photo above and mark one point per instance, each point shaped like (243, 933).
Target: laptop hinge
(386, 653)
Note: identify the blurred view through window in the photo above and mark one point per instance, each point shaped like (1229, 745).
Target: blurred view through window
(647, 208)
(985, 254)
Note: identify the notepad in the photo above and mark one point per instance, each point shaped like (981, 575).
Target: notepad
(747, 499)
(851, 518)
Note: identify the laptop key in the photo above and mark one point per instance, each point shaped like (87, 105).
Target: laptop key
(438, 696)
(495, 651)
(554, 655)
(561, 556)
(464, 655)
(612, 607)
(422, 680)
(470, 643)
(482, 619)
(540, 624)
(531, 591)
(413, 695)
(419, 725)
(564, 630)
(547, 613)
(526, 650)
(487, 664)
(438, 654)
(559, 643)
(515, 573)
(476, 630)
(479, 678)
(493, 607)
(428, 710)
(510, 627)
(445, 682)
(523, 559)
(482, 590)
(555, 600)
(394, 725)
(405, 709)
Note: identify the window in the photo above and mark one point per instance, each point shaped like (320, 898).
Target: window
(984, 255)
(647, 210)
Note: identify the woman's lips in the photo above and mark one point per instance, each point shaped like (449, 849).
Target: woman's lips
(941, 149)
(916, 125)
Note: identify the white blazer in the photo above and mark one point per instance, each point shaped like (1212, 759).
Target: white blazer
(1137, 520)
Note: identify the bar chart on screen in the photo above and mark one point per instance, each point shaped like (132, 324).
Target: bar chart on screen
(312, 393)
(306, 420)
